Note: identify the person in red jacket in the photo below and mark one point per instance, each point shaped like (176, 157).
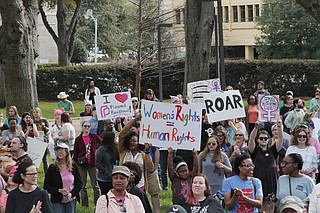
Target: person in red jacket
(85, 147)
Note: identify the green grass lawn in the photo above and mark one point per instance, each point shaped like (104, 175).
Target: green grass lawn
(47, 109)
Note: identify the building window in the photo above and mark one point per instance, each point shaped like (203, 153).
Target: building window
(243, 13)
(226, 14)
(178, 16)
(257, 9)
(250, 13)
(235, 13)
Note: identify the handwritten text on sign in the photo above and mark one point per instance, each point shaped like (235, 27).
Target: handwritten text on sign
(224, 105)
(195, 90)
(170, 125)
(268, 108)
(114, 105)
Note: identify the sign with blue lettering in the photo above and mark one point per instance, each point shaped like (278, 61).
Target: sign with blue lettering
(224, 105)
(170, 125)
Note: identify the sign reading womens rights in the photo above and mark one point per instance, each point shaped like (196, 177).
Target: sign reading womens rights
(195, 90)
(224, 105)
(36, 149)
(170, 125)
(113, 105)
(268, 108)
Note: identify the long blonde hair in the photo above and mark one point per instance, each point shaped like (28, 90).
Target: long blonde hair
(57, 162)
(217, 155)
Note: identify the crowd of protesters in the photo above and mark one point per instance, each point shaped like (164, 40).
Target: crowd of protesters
(244, 165)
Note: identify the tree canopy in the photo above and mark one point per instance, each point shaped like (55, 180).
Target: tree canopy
(287, 31)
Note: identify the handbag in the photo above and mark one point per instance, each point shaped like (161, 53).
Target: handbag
(82, 160)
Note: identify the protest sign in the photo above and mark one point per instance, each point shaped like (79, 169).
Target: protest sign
(113, 105)
(36, 149)
(268, 108)
(224, 105)
(195, 90)
(170, 125)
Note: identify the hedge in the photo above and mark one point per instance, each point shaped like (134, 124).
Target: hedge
(300, 76)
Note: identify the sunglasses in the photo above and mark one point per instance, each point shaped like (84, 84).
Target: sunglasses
(238, 134)
(213, 144)
(122, 208)
(134, 101)
(263, 138)
(86, 126)
(302, 136)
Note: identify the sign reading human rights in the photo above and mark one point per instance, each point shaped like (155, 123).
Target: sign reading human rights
(268, 108)
(170, 125)
(113, 105)
(224, 105)
(195, 90)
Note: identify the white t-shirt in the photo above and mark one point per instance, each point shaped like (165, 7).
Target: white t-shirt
(308, 154)
(67, 127)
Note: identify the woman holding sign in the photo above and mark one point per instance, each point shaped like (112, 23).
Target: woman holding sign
(264, 158)
(129, 151)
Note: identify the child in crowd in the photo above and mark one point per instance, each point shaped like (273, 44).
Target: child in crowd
(180, 175)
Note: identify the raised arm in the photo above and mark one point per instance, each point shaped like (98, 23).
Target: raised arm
(252, 138)
(279, 142)
(170, 164)
(125, 131)
(195, 162)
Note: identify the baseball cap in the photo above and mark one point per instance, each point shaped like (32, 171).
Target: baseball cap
(176, 209)
(121, 170)
(291, 202)
(62, 146)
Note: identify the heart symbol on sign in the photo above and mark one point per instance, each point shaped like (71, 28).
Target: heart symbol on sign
(121, 97)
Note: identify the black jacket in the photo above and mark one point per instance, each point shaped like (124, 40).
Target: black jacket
(53, 182)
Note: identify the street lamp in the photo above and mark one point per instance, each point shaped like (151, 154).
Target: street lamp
(89, 15)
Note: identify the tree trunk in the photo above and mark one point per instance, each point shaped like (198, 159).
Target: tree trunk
(2, 88)
(312, 7)
(198, 36)
(18, 41)
(139, 67)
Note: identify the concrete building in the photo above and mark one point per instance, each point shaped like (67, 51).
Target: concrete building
(239, 27)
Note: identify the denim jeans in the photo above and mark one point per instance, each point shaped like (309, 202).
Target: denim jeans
(92, 171)
(69, 207)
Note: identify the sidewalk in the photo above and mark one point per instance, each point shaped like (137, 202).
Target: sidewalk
(75, 123)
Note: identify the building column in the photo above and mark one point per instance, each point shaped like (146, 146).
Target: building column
(249, 53)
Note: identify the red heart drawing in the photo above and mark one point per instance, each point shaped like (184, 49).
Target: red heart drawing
(121, 97)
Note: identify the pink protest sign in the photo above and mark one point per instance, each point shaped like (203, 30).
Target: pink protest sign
(268, 108)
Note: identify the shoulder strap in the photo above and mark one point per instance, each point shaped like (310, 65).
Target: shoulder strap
(107, 200)
(290, 185)
(254, 186)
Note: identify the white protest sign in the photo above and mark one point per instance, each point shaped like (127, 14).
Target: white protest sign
(195, 90)
(170, 125)
(36, 149)
(113, 105)
(268, 108)
(224, 105)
